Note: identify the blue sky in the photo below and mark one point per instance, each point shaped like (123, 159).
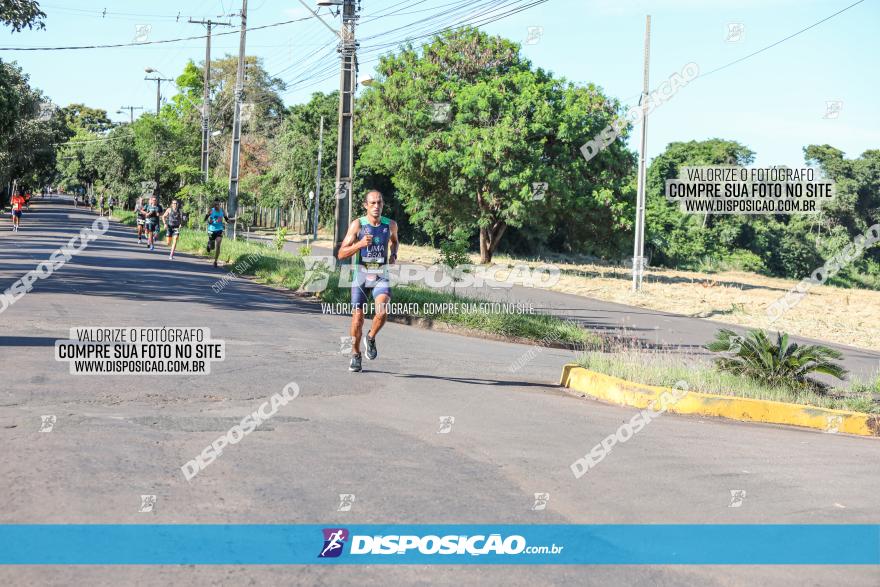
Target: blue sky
(774, 102)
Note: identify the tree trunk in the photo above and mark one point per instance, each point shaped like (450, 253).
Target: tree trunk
(490, 236)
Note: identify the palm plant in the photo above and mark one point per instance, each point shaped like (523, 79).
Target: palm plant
(784, 363)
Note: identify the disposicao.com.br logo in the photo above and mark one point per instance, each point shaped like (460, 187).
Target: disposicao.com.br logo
(431, 544)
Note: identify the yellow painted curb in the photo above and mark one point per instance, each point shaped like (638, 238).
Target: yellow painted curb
(620, 391)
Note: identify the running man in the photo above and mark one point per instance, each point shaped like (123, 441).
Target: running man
(172, 219)
(215, 219)
(139, 214)
(152, 214)
(110, 203)
(18, 203)
(101, 205)
(372, 241)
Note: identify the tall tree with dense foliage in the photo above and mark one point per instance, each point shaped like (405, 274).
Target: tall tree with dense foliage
(509, 125)
(294, 155)
(855, 208)
(674, 238)
(81, 116)
(19, 14)
(27, 135)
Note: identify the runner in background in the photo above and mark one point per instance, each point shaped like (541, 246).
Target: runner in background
(172, 219)
(18, 203)
(152, 214)
(215, 219)
(139, 215)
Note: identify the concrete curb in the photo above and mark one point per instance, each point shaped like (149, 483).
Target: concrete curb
(622, 392)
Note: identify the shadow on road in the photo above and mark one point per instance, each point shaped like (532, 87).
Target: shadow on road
(466, 380)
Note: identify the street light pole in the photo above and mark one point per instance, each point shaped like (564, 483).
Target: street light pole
(206, 100)
(639, 242)
(232, 203)
(158, 81)
(318, 187)
(131, 110)
(345, 149)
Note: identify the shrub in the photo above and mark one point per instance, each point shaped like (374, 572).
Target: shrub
(280, 237)
(744, 260)
(784, 363)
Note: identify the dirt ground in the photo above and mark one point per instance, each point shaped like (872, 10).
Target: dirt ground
(844, 316)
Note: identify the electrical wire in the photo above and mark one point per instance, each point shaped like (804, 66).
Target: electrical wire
(141, 43)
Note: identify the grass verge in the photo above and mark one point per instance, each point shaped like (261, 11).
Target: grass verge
(541, 328)
(281, 268)
(665, 369)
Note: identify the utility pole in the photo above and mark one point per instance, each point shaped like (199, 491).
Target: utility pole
(206, 100)
(158, 81)
(232, 203)
(131, 110)
(639, 244)
(345, 149)
(318, 187)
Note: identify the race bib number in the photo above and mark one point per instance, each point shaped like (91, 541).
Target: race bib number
(374, 266)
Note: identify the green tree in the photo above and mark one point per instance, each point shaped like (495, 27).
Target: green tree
(294, 156)
(19, 14)
(509, 126)
(677, 239)
(27, 135)
(260, 90)
(91, 119)
(856, 204)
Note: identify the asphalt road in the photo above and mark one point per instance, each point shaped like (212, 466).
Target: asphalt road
(374, 434)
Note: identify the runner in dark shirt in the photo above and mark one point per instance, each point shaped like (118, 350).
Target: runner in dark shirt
(173, 220)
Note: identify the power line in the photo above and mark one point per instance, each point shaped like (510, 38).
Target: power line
(485, 13)
(136, 44)
(770, 46)
(791, 36)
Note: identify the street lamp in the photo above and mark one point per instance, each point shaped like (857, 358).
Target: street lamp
(158, 79)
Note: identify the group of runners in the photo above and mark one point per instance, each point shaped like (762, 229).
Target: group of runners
(151, 214)
(371, 242)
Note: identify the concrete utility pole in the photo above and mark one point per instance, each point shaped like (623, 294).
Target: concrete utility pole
(318, 186)
(158, 81)
(206, 100)
(639, 244)
(232, 203)
(345, 149)
(131, 110)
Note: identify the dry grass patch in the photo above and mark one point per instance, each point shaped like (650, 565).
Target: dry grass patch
(831, 314)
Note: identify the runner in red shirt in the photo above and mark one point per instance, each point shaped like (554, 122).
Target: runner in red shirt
(18, 202)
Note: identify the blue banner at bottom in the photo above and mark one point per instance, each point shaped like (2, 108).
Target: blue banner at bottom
(270, 544)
